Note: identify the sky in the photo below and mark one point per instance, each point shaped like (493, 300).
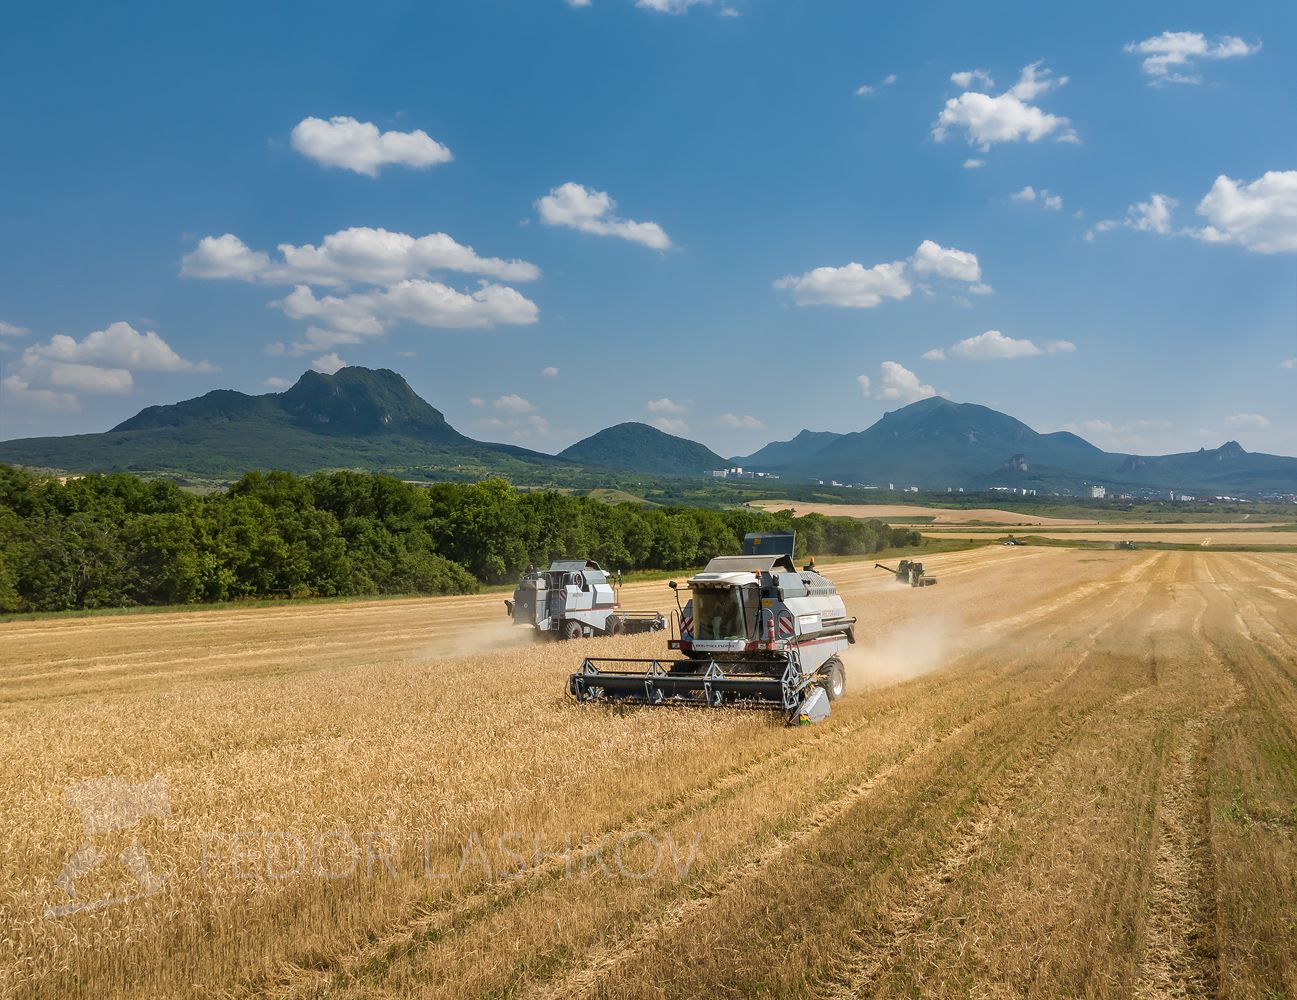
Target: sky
(731, 218)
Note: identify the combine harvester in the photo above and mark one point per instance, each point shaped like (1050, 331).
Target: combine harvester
(755, 632)
(575, 598)
(909, 573)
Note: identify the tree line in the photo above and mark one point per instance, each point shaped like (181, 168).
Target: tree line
(119, 540)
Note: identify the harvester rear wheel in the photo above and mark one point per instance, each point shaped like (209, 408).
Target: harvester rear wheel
(571, 630)
(833, 678)
(614, 625)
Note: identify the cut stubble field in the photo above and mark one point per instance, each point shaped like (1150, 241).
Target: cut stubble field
(1058, 773)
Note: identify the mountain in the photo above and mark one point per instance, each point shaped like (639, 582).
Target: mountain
(638, 447)
(936, 443)
(804, 445)
(357, 418)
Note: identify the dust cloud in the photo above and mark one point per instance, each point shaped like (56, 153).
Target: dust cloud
(480, 637)
(917, 647)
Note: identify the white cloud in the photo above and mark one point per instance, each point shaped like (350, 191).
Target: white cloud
(350, 318)
(745, 422)
(670, 425)
(590, 211)
(329, 363)
(1008, 117)
(1152, 216)
(549, 372)
(1046, 197)
(677, 6)
(275, 382)
(852, 285)
(1135, 436)
(664, 405)
(1289, 363)
(118, 348)
(1247, 421)
(514, 403)
(22, 392)
(869, 89)
(994, 345)
(477, 401)
(896, 382)
(946, 262)
(359, 254)
(856, 286)
(965, 79)
(1171, 56)
(1261, 216)
(9, 330)
(359, 146)
(578, 3)
(972, 163)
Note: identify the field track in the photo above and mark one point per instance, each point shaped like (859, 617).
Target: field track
(1057, 773)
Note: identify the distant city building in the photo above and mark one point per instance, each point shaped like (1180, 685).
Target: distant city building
(1098, 492)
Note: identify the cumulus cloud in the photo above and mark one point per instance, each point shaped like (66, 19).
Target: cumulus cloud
(349, 319)
(1172, 56)
(1134, 436)
(275, 382)
(357, 255)
(10, 330)
(664, 405)
(549, 372)
(851, 285)
(966, 79)
(329, 363)
(1046, 198)
(994, 345)
(513, 403)
(1152, 216)
(972, 163)
(987, 119)
(895, 382)
(1247, 421)
(856, 286)
(26, 395)
(578, 207)
(1261, 216)
(476, 401)
(101, 362)
(359, 146)
(745, 422)
(1289, 363)
(671, 425)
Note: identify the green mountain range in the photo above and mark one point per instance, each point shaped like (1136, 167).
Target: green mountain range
(360, 418)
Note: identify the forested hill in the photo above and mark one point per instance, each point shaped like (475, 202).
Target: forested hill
(641, 448)
(119, 540)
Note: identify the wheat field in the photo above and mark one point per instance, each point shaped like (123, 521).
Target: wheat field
(1058, 773)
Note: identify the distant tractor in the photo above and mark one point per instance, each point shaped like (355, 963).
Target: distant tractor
(1125, 545)
(573, 599)
(909, 572)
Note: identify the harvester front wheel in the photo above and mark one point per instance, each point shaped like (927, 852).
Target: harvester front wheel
(614, 625)
(571, 630)
(833, 678)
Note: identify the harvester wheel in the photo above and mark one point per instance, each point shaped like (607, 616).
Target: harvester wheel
(614, 625)
(571, 630)
(833, 678)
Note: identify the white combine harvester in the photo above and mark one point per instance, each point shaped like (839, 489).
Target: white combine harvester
(756, 631)
(575, 598)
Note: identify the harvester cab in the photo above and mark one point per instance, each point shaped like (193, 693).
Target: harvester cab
(575, 598)
(910, 573)
(755, 631)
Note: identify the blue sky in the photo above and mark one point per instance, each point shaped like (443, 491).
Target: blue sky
(692, 215)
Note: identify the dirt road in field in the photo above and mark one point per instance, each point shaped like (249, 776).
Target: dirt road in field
(1057, 773)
